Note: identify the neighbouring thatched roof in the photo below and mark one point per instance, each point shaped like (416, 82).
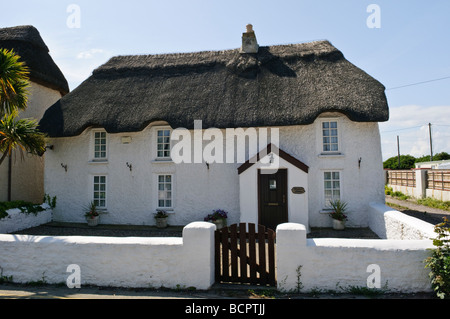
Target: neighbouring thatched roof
(280, 85)
(28, 44)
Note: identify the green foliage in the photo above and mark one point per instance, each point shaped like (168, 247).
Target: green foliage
(21, 134)
(50, 201)
(439, 261)
(339, 209)
(432, 202)
(14, 83)
(25, 207)
(408, 161)
(437, 157)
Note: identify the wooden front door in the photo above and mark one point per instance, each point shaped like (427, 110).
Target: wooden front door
(272, 189)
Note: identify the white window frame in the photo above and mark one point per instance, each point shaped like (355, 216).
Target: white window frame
(330, 136)
(94, 151)
(158, 142)
(332, 188)
(171, 190)
(105, 190)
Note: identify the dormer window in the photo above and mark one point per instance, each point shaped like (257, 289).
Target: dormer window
(100, 145)
(330, 142)
(163, 144)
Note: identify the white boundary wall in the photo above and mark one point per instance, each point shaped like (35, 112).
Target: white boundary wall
(328, 263)
(113, 261)
(16, 220)
(389, 223)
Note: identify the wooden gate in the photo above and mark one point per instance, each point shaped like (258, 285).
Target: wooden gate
(243, 256)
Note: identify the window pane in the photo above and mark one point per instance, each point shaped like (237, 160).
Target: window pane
(168, 178)
(327, 175)
(325, 124)
(160, 133)
(335, 175)
(333, 124)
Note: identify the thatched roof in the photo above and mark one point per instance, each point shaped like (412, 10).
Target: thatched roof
(28, 44)
(280, 85)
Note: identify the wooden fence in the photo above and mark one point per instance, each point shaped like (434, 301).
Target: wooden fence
(401, 178)
(439, 179)
(435, 179)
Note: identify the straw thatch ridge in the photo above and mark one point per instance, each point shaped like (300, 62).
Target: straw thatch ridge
(28, 44)
(280, 85)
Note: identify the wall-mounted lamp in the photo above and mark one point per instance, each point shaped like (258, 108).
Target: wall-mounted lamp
(359, 162)
(130, 166)
(64, 166)
(207, 165)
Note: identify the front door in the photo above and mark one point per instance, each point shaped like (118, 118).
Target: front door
(273, 198)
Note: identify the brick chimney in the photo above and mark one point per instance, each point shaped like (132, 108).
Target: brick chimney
(249, 43)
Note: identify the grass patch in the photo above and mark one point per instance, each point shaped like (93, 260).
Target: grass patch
(435, 203)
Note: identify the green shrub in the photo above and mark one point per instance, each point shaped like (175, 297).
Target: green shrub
(25, 207)
(439, 261)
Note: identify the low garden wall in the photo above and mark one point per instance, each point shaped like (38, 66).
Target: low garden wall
(112, 261)
(310, 264)
(389, 223)
(18, 220)
(329, 263)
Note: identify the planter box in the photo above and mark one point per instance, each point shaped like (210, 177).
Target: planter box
(16, 220)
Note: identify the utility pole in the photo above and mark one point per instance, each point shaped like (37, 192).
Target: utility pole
(431, 143)
(398, 151)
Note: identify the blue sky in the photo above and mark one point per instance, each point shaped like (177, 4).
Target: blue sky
(411, 46)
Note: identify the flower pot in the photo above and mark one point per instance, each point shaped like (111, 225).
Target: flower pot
(93, 221)
(161, 222)
(338, 224)
(220, 223)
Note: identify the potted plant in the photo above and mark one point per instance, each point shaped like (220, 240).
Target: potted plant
(92, 215)
(218, 217)
(338, 214)
(161, 219)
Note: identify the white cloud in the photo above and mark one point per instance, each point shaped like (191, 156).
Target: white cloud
(410, 123)
(89, 54)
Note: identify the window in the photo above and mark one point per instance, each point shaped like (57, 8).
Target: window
(100, 145)
(163, 143)
(332, 187)
(165, 191)
(100, 191)
(330, 136)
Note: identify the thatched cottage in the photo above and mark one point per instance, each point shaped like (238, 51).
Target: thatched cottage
(113, 137)
(24, 180)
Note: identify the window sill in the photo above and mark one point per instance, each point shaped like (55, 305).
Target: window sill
(98, 161)
(163, 161)
(331, 155)
(325, 211)
(167, 210)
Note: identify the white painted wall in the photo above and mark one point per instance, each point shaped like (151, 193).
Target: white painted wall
(17, 220)
(328, 263)
(114, 261)
(389, 223)
(132, 195)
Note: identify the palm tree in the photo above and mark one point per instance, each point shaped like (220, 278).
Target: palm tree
(13, 83)
(22, 134)
(16, 133)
